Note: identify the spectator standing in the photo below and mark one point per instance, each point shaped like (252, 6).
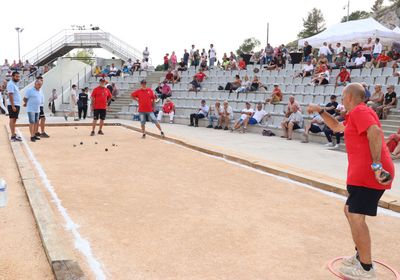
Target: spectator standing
(186, 58)
(146, 54)
(174, 60)
(52, 99)
(201, 114)
(169, 109)
(214, 115)
(307, 50)
(42, 116)
(14, 103)
(191, 55)
(32, 101)
(367, 50)
(166, 62)
(83, 98)
(212, 54)
(324, 50)
(377, 48)
(3, 88)
(269, 53)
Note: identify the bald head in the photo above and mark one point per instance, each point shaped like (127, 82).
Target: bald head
(356, 91)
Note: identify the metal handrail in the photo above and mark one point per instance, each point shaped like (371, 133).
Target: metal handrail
(82, 74)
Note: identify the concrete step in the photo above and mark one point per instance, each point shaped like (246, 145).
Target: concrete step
(391, 122)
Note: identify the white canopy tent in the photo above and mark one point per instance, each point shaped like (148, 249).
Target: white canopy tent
(353, 31)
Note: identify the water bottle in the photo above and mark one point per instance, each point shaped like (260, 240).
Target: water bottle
(3, 193)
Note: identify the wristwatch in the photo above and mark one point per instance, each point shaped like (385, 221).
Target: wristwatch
(322, 110)
(376, 166)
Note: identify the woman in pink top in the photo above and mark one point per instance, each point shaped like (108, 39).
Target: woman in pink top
(174, 60)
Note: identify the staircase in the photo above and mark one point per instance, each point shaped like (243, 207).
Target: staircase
(125, 96)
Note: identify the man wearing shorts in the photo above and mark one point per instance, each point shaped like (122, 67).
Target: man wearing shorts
(73, 101)
(100, 97)
(14, 103)
(42, 116)
(146, 98)
(370, 173)
(32, 101)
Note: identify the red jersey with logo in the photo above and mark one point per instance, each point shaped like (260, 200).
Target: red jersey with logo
(100, 95)
(145, 98)
(168, 107)
(200, 76)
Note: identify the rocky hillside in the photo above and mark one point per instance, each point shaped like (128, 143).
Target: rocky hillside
(389, 16)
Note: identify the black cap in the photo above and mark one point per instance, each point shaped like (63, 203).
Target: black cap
(143, 81)
(333, 96)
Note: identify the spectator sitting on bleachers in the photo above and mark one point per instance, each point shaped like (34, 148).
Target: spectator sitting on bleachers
(97, 71)
(14, 66)
(392, 142)
(340, 61)
(136, 65)
(233, 64)
(254, 58)
(166, 92)
(322, 60)
(203, 63)
(367, 94)
(343, 77)
(245, 85)
(246, 113)
(20, 65)
(321, 79)
(332, 105)
(307, 71)
(234, 85)
(26, 67)
(338, 49)
(355, 50)
(359, 61)
(276, 95)
(200, 76)
(257, 117)
(242, 64)
(295, 121)
(315, 126)
(225, 63)
(214, 115)
(125, 70)
(195, 85)
(201, 113)
(367, 49)
(381, 60)
(320, 68)
(233, 56)
(256, 84)
(376, 98)
(339, 113)
(114, 71)
(177, 77)
(395, 66)
(389, 102)
(105, 71)
(291, 105)
(225, 117)
(169, 77)
(169, 109)
(275, 64)
(5, 67)
(307, 51)
(182, 65)
(144, 66)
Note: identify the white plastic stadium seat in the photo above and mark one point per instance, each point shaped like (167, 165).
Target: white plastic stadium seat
(392, 80)
(376, 72)
(380, 80)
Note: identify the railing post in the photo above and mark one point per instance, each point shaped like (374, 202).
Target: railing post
(62, 94)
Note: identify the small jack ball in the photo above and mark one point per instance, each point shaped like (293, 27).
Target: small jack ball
(81, 143)
(74, 145)
(106, 150)
(113, 145)
(95, 143)
(76, 127)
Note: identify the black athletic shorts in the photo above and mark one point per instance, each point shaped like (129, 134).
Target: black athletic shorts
(363, 200)
(296, 126)
(41, 113)
(11, 113)
(315, 129)
(99, 113)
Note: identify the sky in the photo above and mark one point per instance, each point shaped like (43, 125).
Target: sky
(167, 26)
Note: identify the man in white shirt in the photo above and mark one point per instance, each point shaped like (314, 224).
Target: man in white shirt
(324, 50)
(377, 48)
(146, 54)
(212, 54)
(113, 70)
(257, 117)
(359, 61)
(226, 116)
(367, 49)
(246, 114)
(201, 113)
(295, 121)
(72, 104)
(308, 69)
(191, 55)
(214, 115)
(339, 48)
(315, 126)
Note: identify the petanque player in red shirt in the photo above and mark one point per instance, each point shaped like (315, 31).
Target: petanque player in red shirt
(99, 100)
(146, 99)
(370, 172)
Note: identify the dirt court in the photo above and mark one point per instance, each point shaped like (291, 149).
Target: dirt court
(155, 210)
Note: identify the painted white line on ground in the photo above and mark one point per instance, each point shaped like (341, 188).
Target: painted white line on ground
(80, 243)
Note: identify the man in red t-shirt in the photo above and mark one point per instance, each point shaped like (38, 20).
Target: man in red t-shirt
(166, 62)
(100, 97)
(370, 173)
(146, 98)
(381, 60)
(169, 109)
(343, 77)
(200, 76)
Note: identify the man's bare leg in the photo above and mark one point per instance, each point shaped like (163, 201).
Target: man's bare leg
(290, 130)
(101, 125)
(12, 126)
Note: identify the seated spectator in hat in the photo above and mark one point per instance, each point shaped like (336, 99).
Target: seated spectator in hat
(276, 96)
(182, 66)
(367, 94)
(321, 79)
(316, 125)
(256, 84)
(340, 60)
(169, 77)
(177, 77)
(242, 64)
(225, 117)
(392, 142)
(201, 113)
(343, 77)
(291, 104)
(246, 113)
(359, 61)
(381, 60)
(293, 122)
(169, 109)
(113, 70)
(234, 85)
(331, 106)
(245, 85)
(166, 91)
(389, 102)
(307, 70)
(376, 98)
(214, 114)
(257, 117)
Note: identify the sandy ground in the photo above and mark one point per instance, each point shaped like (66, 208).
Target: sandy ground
(153, 210)
(21, 252)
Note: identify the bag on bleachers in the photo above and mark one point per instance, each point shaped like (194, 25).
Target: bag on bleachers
(220, 88)
(267, 132)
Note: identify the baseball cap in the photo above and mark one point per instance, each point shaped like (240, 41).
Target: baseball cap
(143, 81)
(102, 80)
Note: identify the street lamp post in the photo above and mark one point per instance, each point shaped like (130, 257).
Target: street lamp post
(19, 30)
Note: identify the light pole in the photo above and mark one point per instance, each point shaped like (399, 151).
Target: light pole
(19, 30)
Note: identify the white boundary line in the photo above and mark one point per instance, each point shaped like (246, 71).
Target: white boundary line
(81, 243)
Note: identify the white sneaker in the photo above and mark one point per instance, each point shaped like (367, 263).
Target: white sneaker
(350, 261)
(357, 273)
(330, 144)
(334, 147)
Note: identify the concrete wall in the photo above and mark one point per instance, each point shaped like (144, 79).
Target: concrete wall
(61, 77)
(105, 61)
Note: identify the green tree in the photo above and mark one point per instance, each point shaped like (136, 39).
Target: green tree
(248, 45)
(313, 24)
(378, 5)
(396, 3)
(356, 15)
(84, 55)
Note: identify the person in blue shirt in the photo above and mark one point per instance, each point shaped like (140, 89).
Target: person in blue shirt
(14, 103)
(32, 102)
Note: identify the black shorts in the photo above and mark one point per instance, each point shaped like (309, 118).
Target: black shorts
(296, 126)
(315, 129)
(11, 113)
(324, 82)
(363, 200)
(99, 113)
(41, 113)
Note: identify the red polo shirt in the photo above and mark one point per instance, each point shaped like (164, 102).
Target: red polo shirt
(344, 76)
(100, 96)
(145, 98)
(359, 172)
(200, 76)
(168, 107)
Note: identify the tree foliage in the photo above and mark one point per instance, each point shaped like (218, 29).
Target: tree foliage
(356, 15)
(313, 24)
(248, 45)
(84, 55)
(396, 3)
(378, 5)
